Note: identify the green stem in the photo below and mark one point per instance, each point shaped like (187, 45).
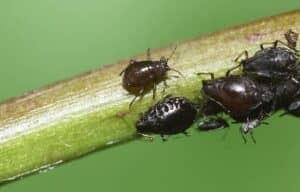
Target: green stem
(71, 118)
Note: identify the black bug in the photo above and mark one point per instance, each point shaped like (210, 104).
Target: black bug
(244, 99)
(272, 63)
(169, 116)
(142, 76)
(212, 124)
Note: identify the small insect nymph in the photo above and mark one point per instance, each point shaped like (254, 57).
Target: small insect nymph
(169, 116)
(141, 76)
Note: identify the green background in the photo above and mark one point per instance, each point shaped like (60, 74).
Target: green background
(45, 41)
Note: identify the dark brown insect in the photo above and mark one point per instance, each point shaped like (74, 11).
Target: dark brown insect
(244, 99)
(142, 76)
(237, 95)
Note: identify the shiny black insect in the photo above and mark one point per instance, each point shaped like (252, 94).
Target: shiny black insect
(142, 76)
(272, 63)
(169, 116)
(243, 98)
(212, 124)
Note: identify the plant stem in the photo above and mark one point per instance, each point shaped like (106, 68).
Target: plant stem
(71, 118)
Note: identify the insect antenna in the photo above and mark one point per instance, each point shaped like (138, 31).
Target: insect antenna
(171, 69)
(173, 52)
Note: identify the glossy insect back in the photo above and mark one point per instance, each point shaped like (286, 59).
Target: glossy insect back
(271, 63)
(237, 95)
(243, 98)
(140, 77)
(171, 115)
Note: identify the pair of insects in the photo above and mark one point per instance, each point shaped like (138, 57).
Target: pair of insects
(269, 82)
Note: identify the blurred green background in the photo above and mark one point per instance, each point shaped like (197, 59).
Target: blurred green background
(45, 41)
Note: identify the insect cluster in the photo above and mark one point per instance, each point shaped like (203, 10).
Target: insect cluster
(269, 81)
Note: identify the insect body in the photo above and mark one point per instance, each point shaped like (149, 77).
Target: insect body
(275, 63)
(272, 63)
(142, 76)
(171, 115)
(239, 96)
(244, 99)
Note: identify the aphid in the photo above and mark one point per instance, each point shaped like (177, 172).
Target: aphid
(238, 95)
(169, 116)
(142, 76)
(245, 100)
(212, 124)
(275, 63)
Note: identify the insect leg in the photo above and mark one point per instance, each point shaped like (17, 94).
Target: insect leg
(154, 91)
(243, 135)
(172, 53)
(148, 54)
(146, 137)
(232, 69)
(285, 44)
(252, 136)
(122, 72)
(143, 92)
(236, 60)
(140, 94)
(165, 86)
(268, 43)
(212, 76)
(132, 101)
(131, 61)
(171, 69)
(275, 44)
(224, 136)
